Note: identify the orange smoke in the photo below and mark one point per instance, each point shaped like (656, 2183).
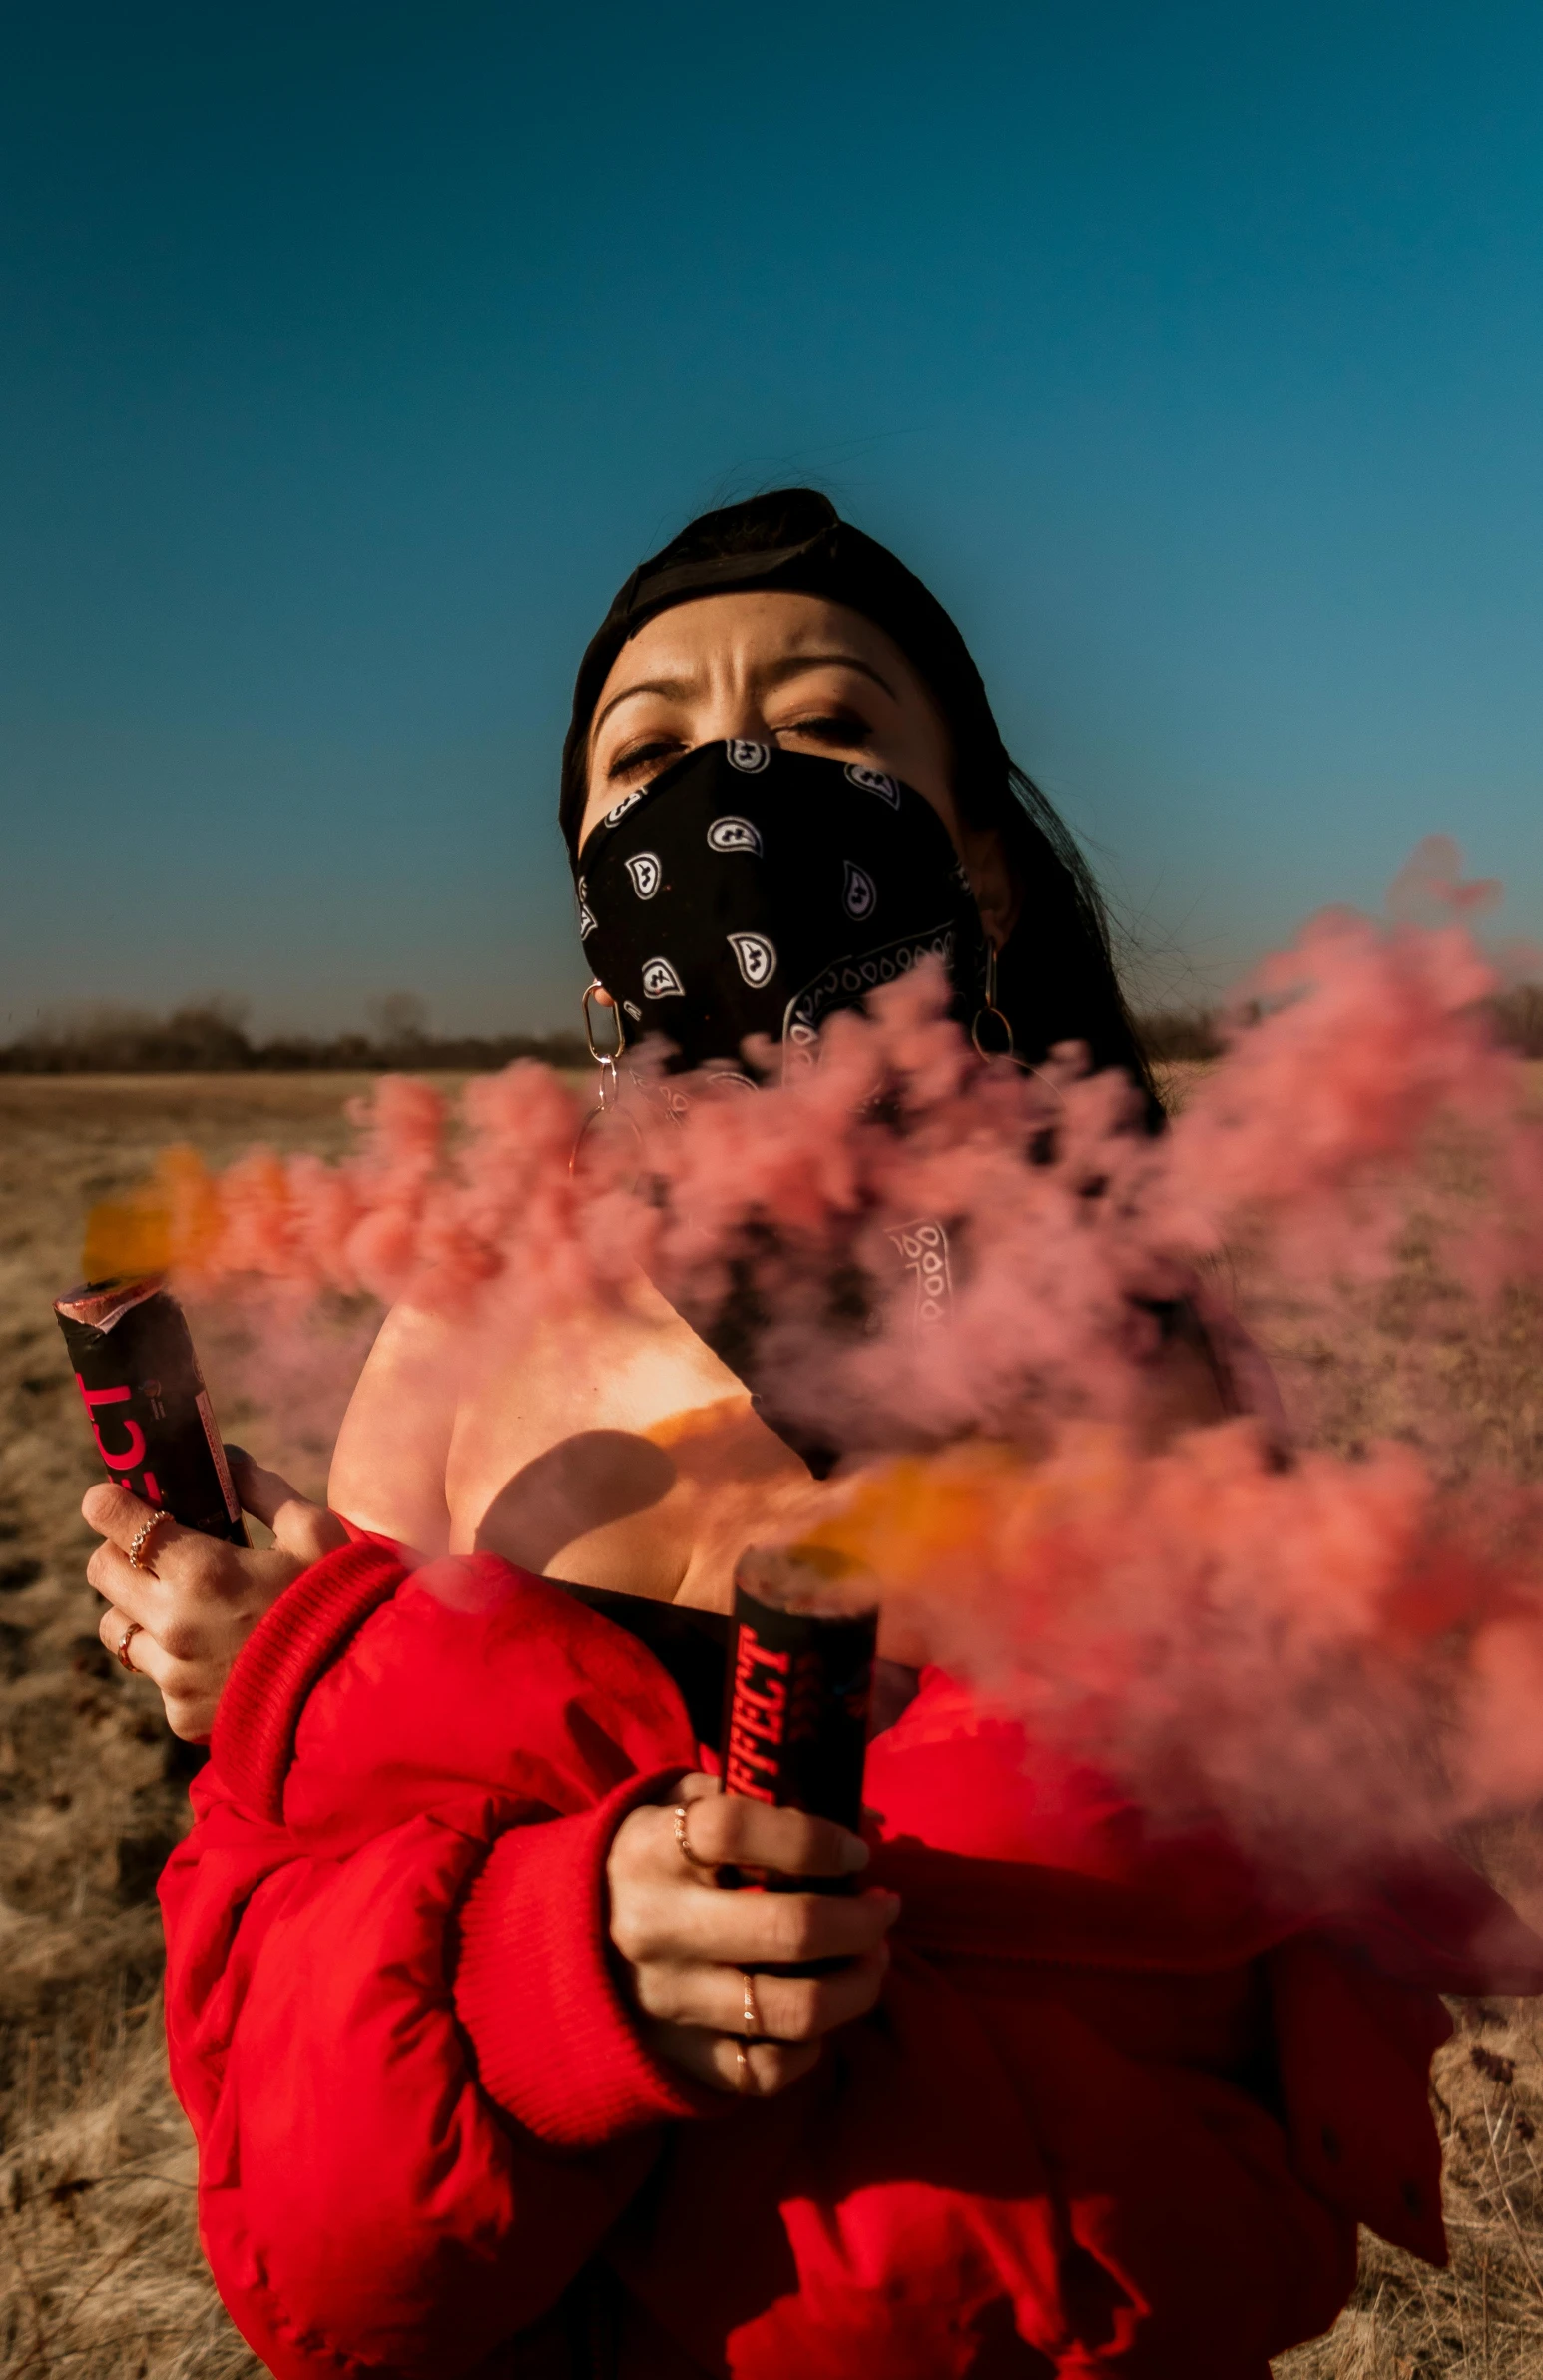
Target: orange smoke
(1331, 1653)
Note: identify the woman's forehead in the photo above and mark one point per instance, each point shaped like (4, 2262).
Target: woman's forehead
(755, 628)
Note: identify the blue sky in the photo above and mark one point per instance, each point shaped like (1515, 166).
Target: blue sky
(352, 353)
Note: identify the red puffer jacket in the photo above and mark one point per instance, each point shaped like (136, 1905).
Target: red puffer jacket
(1107, 2117)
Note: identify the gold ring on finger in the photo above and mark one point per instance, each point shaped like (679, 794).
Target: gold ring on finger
(691, 1858)
(141, 1538)
(134, 1628)
(744, 2075)
(752, 2024)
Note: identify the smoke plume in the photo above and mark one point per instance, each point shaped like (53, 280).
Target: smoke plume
(983, 1282)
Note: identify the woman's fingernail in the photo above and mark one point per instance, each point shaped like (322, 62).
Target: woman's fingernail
(854, 1854)
(234, 1453)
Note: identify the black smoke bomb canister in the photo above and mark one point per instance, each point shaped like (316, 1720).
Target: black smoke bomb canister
(796, 1697)
(138, 1373)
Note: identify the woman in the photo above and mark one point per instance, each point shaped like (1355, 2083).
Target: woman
(487, 2077)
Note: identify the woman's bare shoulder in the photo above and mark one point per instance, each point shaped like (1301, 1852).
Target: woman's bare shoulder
(389, 1465)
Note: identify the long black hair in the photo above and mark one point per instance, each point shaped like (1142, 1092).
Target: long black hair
(1056, 978)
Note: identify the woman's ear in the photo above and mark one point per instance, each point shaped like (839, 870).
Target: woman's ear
(998, 896)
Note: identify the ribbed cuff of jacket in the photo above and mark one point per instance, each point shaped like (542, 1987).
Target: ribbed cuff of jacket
(253, 1742)
(556, 2045)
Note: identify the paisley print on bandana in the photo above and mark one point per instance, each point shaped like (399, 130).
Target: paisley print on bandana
(733, 835)
(860, 893)
(756, 957)
(772, 889)
(873, 780)
(922, 1248)
(849, 981)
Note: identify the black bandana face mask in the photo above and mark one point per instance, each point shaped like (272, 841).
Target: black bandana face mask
(748, 889)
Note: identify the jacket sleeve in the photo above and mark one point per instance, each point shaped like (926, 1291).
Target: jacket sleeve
(418, 2097)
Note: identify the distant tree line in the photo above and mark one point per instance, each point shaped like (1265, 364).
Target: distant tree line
(1171, 1035)
(211, 1037)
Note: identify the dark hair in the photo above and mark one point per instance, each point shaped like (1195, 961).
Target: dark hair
(1056, 978)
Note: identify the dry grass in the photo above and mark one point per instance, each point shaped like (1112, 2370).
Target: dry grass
(1481, 2319)
(100, 2275)
(97, 2245)
(100, 2271)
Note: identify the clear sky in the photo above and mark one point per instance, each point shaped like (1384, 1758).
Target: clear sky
(351, 351)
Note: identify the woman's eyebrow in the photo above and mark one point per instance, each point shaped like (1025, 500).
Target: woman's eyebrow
(674, 690)
(775, 673)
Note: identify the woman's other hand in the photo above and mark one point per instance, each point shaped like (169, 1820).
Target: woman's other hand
(195, 1606)
(691, 1949)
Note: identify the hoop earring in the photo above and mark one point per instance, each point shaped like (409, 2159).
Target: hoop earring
(608, 1088)
(988, 1007)
(604, 1059)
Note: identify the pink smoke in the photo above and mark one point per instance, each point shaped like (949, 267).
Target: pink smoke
(1317, 1645)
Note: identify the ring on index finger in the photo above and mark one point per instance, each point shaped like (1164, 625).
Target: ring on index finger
(691, 1858)
(141, 1538)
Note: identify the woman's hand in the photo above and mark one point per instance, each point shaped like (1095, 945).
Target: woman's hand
(195, 1605)
(691, 1949)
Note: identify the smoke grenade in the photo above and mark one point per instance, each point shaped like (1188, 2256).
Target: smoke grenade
(138, 1373)
(796, 1696)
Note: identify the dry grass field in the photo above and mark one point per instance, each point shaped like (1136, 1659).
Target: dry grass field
(100, 2272)
(99, 2275)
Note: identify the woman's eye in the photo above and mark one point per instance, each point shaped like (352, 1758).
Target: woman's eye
(831, 727)
(641, 756)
